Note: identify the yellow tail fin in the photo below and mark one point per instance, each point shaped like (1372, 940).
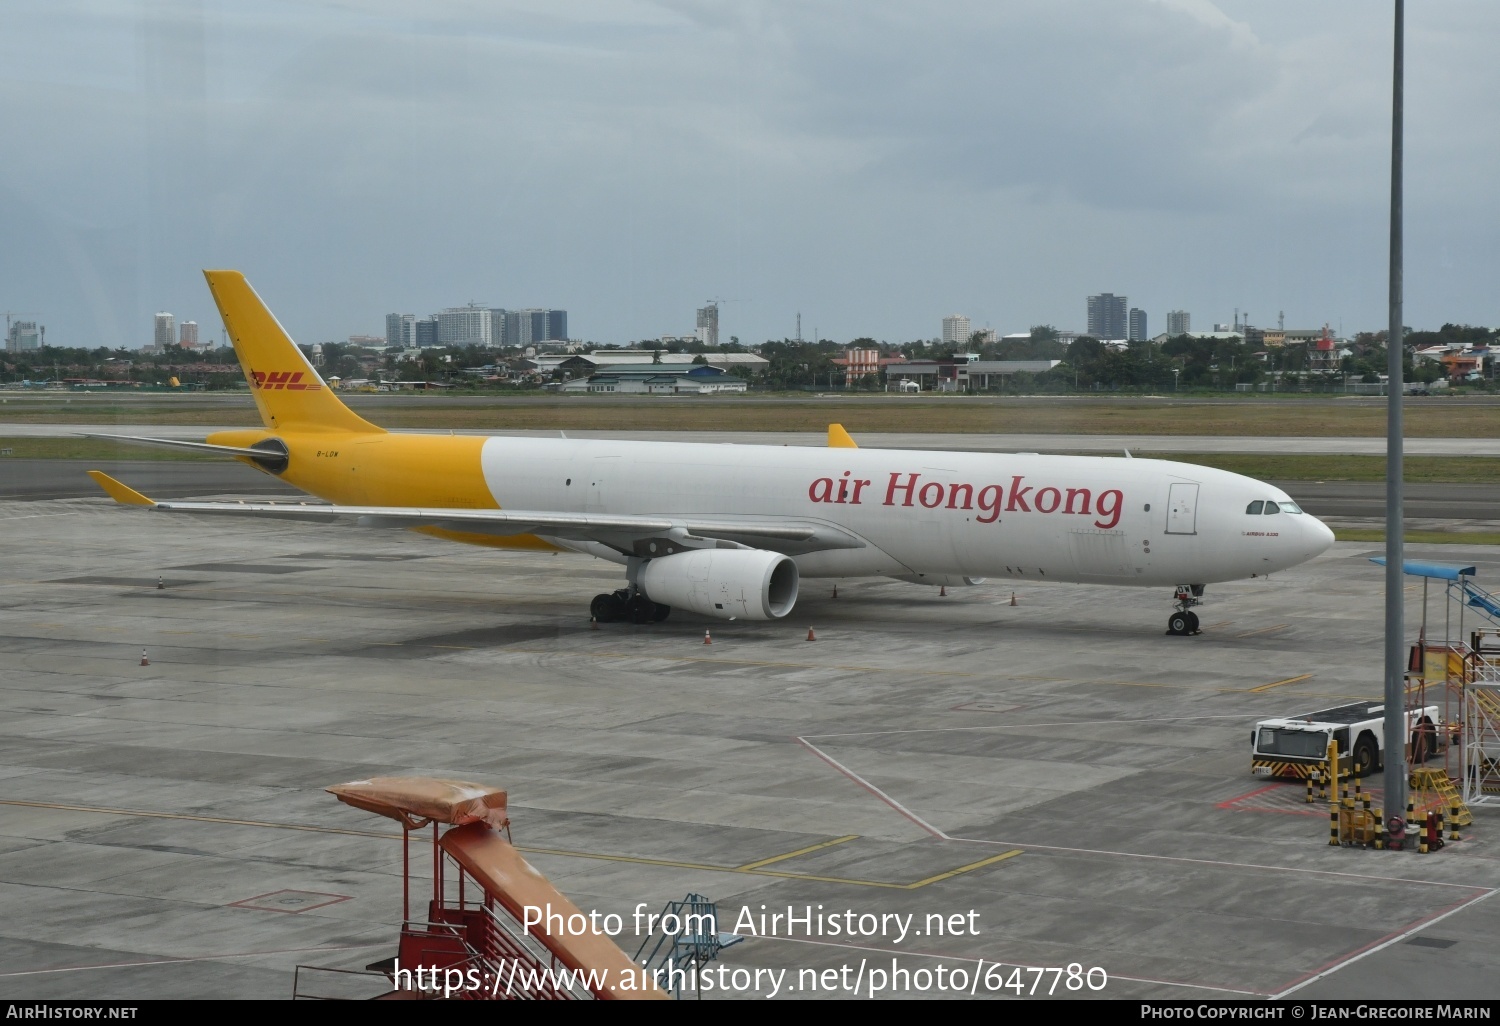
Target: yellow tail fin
(288, 392)
(838, 438)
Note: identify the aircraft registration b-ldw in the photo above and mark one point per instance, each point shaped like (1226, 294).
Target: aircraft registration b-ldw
(729, 530)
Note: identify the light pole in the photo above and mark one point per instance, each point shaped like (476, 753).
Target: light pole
(1175, 371)
(1395, 628)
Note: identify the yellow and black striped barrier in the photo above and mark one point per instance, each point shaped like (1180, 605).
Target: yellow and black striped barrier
(1283, 770)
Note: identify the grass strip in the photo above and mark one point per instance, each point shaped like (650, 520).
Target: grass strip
(91, 449)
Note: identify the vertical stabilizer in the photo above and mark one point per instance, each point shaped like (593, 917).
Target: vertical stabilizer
(289, 393)
(838, 438)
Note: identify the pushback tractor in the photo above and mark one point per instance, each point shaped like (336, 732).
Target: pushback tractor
(1296, 747)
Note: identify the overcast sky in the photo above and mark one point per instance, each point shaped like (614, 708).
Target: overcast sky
(874, 165)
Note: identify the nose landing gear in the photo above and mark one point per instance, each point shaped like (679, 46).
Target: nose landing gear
(1183, 620)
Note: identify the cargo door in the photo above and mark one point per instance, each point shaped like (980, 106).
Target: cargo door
(1182, 508)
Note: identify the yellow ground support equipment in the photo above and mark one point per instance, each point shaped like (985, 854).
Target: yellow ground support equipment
(1440, 793)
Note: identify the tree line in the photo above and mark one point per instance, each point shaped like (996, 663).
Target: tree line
(1086, 364)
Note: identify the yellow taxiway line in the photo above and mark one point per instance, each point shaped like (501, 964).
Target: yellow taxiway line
(800, 851)
(1279, 683)
(752, 868)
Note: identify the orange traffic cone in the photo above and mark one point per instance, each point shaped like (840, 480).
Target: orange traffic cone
(593, 623)
(144, 660)
(942, 591)
(810, 635)
(160, 584)
(706, 639)
(1013, 599)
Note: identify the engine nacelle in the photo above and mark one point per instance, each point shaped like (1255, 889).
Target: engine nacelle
(731, 584)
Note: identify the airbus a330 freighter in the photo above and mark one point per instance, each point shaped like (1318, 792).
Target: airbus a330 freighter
(729, 531)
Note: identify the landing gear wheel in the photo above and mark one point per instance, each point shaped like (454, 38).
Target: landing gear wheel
(1178, 624)
(640, 609)
(607, 608)
(1192, 622)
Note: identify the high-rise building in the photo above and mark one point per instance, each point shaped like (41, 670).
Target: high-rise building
(1179, 322)
(1137, 324)
(464, 326)
(498, 335)
(166, 330)
(24, 337)
(401, 330)
(1107, 316)
(956, 330)
(187, 334)
(708, 324)
(426, 333)
(517, 329)
(532, 325)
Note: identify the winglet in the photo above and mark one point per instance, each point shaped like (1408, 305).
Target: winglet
(123, 494)
(838, 438)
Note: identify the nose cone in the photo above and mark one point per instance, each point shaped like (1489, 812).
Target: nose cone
(1319, 536)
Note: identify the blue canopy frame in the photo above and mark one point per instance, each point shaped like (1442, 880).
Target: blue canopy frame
(1437, 570)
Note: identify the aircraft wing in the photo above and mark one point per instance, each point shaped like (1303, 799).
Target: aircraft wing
(622, 532)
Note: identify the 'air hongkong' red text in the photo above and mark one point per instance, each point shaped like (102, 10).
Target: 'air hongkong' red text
(990, 500)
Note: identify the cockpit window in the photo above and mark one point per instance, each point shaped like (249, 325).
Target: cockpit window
(1255, 508)
(1289, 507)
(1271, 507)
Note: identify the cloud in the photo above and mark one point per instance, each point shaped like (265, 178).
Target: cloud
(874, 165)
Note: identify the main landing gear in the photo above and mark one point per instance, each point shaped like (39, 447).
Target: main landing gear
(1183, 620)
(614, 606)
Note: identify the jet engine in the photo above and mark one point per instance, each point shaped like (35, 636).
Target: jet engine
(731, 584)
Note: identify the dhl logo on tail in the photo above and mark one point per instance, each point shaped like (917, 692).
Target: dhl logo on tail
(291, 397)
(289, 380)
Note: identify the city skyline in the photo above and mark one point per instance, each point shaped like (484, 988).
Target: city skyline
(150, 142)
(476, 325)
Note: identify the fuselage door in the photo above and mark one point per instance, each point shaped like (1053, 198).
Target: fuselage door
(1182, 508)
(600, 469)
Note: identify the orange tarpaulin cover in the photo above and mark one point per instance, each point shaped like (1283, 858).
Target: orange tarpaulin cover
(512, 881)
(416, 801)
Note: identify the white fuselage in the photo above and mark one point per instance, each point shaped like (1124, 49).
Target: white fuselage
(1103, 520)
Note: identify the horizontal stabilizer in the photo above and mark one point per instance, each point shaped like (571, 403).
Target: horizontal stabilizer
(178, 443)
(123, 494)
